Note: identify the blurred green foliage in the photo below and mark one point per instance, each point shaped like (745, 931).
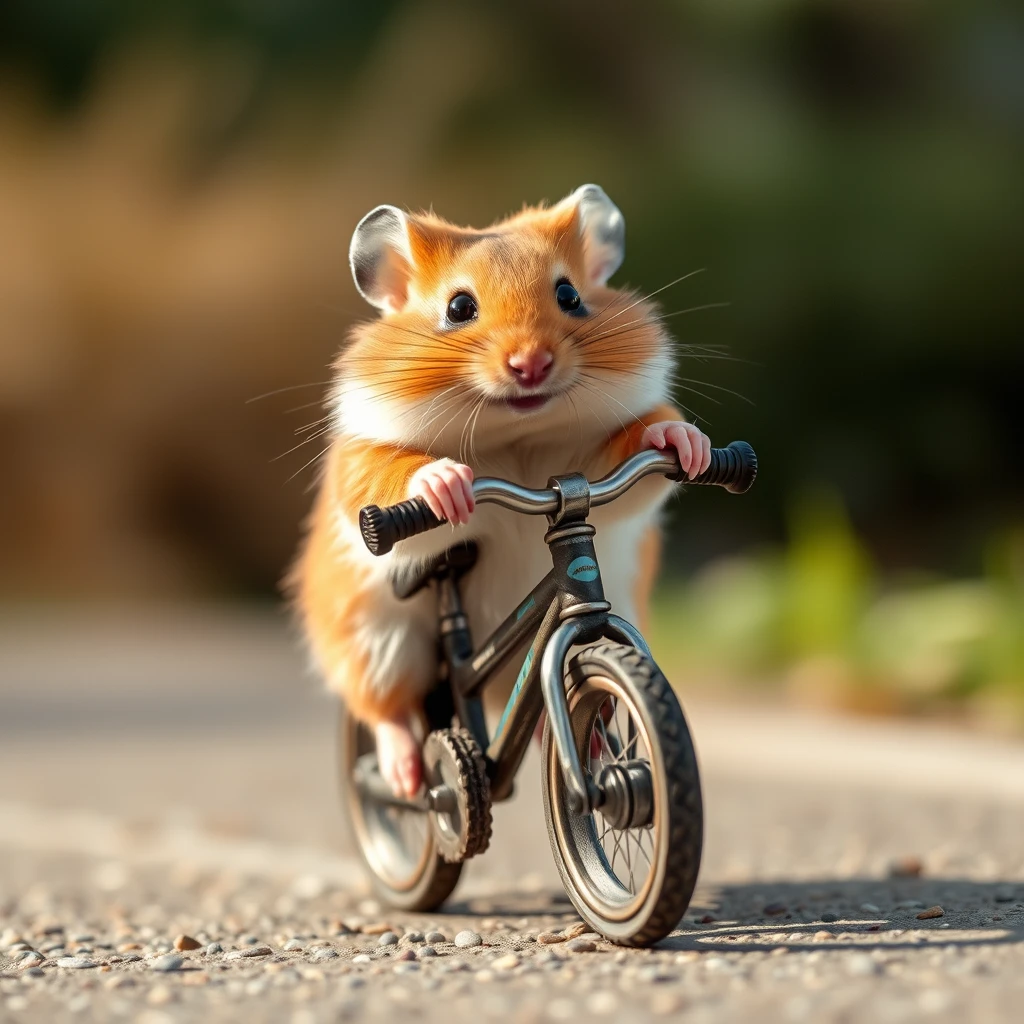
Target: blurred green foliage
(815, 619)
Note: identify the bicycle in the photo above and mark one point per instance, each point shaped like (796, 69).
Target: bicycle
(620, 776)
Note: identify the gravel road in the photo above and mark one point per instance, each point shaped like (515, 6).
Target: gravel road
(171, 849)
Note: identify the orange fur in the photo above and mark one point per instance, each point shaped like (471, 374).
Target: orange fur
(649, 560)
(410, 390)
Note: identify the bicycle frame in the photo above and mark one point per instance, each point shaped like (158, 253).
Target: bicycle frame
(567, 608)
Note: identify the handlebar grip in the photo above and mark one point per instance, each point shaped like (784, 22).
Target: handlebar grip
(733, 467)
(383, 528)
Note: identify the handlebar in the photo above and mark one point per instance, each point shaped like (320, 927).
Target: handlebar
(733, 467)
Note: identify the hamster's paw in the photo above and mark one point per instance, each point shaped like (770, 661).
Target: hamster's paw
(691, 443)
(447, 487)
(398, 756)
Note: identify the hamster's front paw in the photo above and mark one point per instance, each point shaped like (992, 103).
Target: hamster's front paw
(692, 444)
(447, 487)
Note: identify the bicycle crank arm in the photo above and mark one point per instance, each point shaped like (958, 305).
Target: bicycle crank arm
(370, 783)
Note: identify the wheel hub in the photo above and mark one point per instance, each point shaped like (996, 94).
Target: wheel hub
(627, 793)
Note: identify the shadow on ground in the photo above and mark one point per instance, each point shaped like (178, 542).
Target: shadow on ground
(867, 913)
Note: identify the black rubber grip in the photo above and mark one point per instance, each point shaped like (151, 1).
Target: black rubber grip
(383, 528)
(733, 467)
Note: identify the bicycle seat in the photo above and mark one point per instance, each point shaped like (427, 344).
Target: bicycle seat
(455, 562)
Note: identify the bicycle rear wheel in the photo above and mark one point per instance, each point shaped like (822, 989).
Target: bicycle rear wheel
(396, 845)
(631, 867)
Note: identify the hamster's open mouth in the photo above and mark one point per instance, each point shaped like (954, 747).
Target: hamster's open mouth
(527, 403)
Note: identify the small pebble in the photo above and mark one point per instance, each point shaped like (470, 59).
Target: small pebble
(467, 938)
(406, 954)
(293, 946)
(435, 937)
(250, 940)
(574, 931)
(167, 962)
(774, 909)
(31, 958)
(214, 947)
(870, 908)
(361, 958)
(34, 972)
(823, 936)
(248, 951)
(127, 947)
(581, 946)
(388, 939)
(931, 912)
(828, 917)
(76, 962)
(506, 963)
(412, 937)
(426, 951)
(706, 919)
(323, 953)
(378, 928)
(183, 942)
(550, 938)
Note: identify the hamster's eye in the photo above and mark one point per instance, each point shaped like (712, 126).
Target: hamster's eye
(461, 309)
(568, 298)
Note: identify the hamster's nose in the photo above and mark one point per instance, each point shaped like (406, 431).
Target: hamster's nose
(530, 368)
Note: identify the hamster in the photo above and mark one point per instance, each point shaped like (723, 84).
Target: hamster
(497, 352)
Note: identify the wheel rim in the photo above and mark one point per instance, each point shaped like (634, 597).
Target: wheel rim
(396, 843)
(614, 870)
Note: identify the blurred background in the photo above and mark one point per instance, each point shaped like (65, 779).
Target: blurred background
(179, 182)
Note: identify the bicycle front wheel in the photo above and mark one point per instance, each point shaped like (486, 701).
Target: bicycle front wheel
(630, 867)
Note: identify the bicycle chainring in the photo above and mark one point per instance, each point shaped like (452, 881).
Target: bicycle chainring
(452, 759)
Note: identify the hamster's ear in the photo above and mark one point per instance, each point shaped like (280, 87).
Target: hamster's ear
(381, 258)
(602, 230)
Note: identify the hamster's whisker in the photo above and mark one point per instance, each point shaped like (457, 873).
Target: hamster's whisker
(463, 405)
(649, 295)
(656, 318)
(306, 465)
(290, 387)
(600, 393)
(578, 451)
(305, 405)
(715, 387)
(435, 339)
(433, 401)
(310, 426)
(305, 440)
(466, 426)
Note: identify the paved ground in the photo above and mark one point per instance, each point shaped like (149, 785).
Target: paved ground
(175, 776)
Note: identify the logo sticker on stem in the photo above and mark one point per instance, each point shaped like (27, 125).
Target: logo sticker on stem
(583, 568)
